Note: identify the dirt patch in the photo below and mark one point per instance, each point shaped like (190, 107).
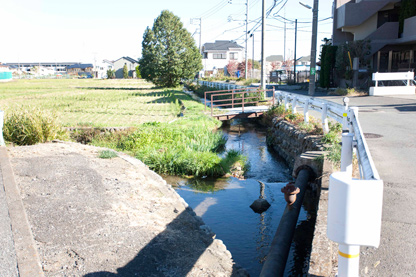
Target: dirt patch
(105, 217)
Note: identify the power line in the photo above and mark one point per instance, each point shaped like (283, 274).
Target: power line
(214, 9)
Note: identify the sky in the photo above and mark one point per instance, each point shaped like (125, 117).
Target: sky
(88, 31)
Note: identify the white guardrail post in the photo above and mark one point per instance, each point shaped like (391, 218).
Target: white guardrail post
(294, 100)
(345, 115)
(286, 102)
(306, 111)
(325, 126)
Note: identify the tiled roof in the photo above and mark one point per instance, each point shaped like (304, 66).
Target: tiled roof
(82, 66)
(128, 59)
(221, 45)
(274, 58)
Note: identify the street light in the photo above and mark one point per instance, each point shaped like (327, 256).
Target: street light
(313, 45)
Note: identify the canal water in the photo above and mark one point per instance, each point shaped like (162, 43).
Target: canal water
(224, 204)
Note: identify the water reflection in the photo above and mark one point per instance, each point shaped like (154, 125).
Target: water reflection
(224, 204)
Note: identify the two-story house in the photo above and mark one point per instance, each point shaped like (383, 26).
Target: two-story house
(131, 66)
(388, 26)
(217, 55)
(101, 68)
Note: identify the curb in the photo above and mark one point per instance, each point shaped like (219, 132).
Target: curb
(28, 261)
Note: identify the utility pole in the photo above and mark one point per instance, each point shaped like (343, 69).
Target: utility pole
(246, 68)
(200, 35)
(284, 43)
(313, 48)
(263, 59)
(284, 40)
(200, 32)
(252, 62)
(294, 59)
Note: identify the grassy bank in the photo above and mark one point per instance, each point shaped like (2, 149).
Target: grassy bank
(170, 133)
(332, 139)
(189, 145)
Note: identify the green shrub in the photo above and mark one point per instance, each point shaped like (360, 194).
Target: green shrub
(28, 126)
(333, 139)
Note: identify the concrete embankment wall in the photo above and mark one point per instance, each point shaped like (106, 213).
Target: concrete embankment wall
(290, 143)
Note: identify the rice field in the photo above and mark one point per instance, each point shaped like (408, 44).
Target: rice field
(90, 102)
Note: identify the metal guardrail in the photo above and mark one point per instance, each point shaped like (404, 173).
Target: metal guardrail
(350, 222)
(347, 116)
(220, 85)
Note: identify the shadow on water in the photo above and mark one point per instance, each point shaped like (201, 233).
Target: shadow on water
(224, 204)
(160, 257)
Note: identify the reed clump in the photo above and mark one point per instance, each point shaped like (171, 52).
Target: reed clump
(28, 126)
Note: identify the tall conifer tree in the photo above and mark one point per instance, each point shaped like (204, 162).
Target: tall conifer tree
(169, 53)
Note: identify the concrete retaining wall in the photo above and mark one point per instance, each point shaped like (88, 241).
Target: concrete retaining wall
(290, 142)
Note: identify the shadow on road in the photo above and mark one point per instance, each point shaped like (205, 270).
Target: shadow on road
(173, 252)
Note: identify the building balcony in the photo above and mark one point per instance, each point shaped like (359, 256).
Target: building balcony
(387, 31)
(409, 30)
(354, 14)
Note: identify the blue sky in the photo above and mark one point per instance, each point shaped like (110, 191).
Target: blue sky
(81, 31)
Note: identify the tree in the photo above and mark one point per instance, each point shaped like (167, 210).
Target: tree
(169, 53)
(138, 76)
(357, 49)
(275, 65)
(125, 72)
(328, 55)
(256, 64)
(111, 74)
(232, 68)
(407, 9)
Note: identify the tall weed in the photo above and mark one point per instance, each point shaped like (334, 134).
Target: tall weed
(28, 126)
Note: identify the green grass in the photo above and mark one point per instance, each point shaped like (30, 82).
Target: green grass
(107, 154)
(167, 143)
(100, 103)
(188, 146)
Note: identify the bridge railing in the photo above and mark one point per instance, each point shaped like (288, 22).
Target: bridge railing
(237, 98)
(221, 85)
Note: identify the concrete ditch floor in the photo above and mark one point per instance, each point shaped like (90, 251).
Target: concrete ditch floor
(103, 217)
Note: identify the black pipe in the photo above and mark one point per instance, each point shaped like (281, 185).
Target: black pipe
(279, 251)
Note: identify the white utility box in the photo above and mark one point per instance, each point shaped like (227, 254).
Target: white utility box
(354, 210)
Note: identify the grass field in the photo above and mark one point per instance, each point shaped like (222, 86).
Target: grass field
(98, 103)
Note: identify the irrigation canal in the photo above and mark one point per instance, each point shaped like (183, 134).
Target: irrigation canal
(224, 204)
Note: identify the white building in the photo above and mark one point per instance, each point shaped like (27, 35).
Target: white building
(101, 68)
(217, 55)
